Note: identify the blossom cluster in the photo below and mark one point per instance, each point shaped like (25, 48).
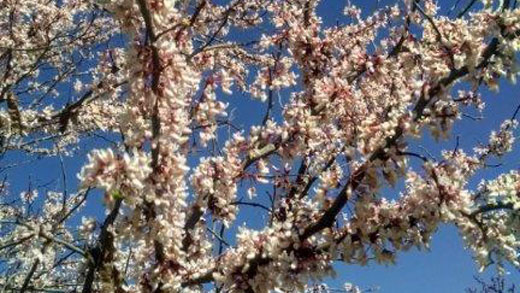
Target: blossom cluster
(117, 175)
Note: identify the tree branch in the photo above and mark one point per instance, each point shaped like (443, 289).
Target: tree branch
(102, 249)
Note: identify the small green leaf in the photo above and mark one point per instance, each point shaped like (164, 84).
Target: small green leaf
(116, 194)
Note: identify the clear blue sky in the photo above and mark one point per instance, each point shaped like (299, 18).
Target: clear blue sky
(447, 267)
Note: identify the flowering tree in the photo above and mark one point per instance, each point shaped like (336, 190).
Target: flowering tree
(151, 78)
(495, 285)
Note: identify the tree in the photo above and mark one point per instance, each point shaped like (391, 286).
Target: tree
(146, 80)
(497, 284)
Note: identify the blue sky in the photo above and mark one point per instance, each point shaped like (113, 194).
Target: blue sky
(446, 267)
